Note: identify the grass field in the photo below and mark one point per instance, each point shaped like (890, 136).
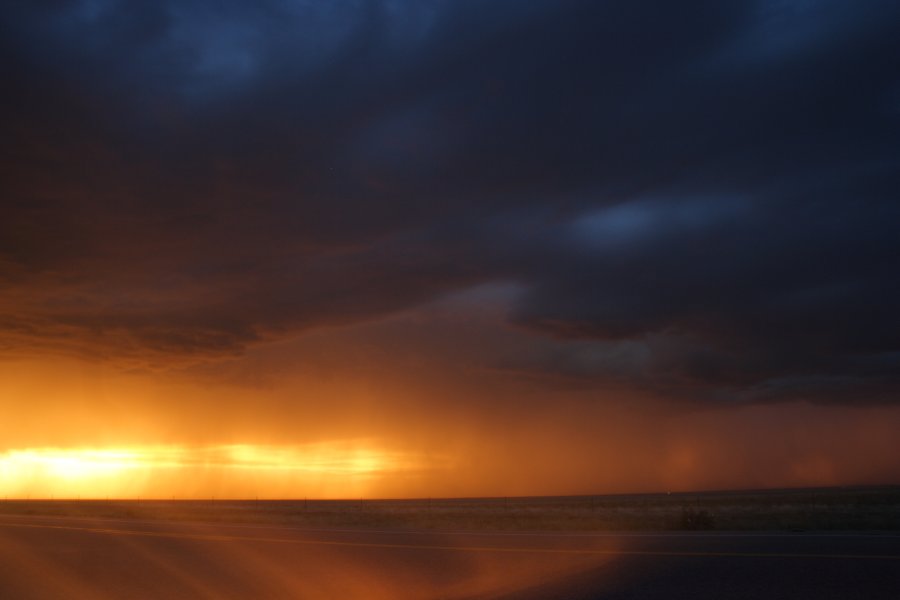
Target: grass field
(858, 509)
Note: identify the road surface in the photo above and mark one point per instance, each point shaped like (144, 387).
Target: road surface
(80, 558)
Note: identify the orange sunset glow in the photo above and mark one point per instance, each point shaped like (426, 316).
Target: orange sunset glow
(243, 471)
(88, 431)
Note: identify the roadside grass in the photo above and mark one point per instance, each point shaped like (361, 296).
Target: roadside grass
(849, 509)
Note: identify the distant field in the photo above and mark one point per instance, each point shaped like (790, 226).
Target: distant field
(858, 509)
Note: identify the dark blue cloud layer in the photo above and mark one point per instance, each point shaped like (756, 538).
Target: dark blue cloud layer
(697, 197)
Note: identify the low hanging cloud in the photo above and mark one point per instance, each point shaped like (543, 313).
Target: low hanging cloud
(700, 199)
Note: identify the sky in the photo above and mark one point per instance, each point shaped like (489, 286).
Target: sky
(414, 248)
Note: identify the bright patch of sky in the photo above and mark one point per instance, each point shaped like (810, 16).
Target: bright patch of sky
(787, 27)
(640, 221)
(230, 46)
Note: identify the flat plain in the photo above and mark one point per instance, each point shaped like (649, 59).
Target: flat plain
(513, 549)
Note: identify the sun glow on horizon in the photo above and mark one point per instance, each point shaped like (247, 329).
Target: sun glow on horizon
(334, 469)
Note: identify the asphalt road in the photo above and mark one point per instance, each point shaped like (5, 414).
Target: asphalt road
(76, 558)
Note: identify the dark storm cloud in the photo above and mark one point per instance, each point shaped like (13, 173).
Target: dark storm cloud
(695, 197)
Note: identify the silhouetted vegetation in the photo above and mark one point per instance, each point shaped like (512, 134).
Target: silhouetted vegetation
(697, 520)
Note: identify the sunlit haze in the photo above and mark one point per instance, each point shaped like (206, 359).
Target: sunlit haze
(236, 471)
